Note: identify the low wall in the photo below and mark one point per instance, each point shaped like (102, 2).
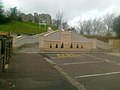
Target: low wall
(94, 41)
(114, 43)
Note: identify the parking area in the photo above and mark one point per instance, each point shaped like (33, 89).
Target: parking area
(96, 71)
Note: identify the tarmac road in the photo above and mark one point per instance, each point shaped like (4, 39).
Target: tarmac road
(96, 71)
(30, 71)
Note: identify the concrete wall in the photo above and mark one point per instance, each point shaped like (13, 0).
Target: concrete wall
(69, 40)
(94, 41)
(56, 46)
(114, 43)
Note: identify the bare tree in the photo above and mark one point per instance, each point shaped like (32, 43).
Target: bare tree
(73, 29)
(88, 26)
(59, 18)
(97, 26)
(85, 26)
(65, 25)
(80, 27)
(108, 20)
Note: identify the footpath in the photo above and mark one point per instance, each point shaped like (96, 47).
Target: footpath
(30, 71)
(116, 54)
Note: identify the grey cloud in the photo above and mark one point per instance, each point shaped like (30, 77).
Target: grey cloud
(71, 8)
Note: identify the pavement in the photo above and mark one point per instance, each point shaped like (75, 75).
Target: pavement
(28, 48)
(103, 45)
(27, 39)
(116, 54)
(30, 71)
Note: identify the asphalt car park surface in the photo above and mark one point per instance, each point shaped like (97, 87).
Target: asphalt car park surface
(96, 71)
(30, 71)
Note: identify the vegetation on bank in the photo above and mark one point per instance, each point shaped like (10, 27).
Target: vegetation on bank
(24, 27)
(11, 21)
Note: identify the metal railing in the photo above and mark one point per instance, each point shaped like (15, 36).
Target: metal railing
(2, 66)
(5, 51)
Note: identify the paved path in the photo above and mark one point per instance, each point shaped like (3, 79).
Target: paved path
(103, 45)
(116, 54)
(29, 48)
(26, 39)
(32, 72)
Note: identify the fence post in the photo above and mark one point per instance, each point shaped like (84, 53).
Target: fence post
(3, 66)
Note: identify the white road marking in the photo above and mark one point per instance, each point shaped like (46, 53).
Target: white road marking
(115, 54)
(113, 62)
(74, 82)
(67, 55)
(95, 75)
(118, 63)
(103, 59)
(82, 63)
(93, 57)
(106, 60)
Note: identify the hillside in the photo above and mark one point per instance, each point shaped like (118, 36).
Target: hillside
(23, 27)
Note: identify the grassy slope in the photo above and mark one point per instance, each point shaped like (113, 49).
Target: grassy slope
(22, 27)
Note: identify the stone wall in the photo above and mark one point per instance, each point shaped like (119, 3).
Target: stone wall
(114, 43)
(94, 41)
(71, 46)
(66, 41)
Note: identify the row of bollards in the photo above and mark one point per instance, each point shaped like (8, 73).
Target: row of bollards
(5, 51)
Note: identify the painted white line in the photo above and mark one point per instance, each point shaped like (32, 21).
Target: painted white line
(98, 58)
(74, 82)
(82, 63)
(103, 59)
(106, 60)
(118, 63)
(115, 54)
(95, 75)
(113, 62)
(93, 57)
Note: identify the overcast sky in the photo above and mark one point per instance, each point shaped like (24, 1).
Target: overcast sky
(73, 9)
